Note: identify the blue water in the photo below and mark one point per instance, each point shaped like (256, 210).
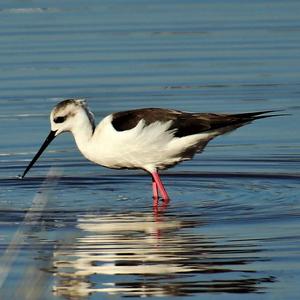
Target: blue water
(74, 230)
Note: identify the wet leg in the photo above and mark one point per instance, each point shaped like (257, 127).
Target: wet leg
(154, 189)
(160, 186)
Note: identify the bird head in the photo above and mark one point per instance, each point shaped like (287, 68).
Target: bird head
(68, 115)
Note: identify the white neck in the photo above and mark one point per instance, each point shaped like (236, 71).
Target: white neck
(83, 132)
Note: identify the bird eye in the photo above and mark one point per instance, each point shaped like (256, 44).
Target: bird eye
(59, 119)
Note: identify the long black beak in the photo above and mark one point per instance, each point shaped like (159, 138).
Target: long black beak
(48, 140)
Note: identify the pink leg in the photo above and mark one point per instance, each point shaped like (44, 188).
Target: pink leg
(154, 189)
(160, 186)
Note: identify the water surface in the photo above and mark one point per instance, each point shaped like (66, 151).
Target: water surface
(74, 230)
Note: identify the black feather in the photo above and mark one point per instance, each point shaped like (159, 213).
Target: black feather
(184, 123)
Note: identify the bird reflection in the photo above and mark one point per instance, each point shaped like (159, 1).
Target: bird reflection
(145, 254)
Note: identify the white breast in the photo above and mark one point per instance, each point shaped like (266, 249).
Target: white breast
(148, 147)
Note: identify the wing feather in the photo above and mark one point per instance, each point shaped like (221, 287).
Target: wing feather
(184, 123)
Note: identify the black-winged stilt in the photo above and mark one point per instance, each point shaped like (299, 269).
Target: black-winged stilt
(151, 139)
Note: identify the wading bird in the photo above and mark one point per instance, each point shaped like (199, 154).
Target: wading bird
(151, 139)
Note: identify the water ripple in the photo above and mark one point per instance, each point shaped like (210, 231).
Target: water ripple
(153, 256)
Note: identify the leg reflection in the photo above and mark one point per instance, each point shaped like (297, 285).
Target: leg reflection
(160, 254)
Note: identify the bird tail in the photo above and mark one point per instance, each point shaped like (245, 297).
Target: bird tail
(260, 115)
(234, 121)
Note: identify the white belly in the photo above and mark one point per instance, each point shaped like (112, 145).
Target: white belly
(146, 147)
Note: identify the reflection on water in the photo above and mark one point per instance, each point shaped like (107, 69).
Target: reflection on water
(217, 239)
(144, 254)
(232, 225)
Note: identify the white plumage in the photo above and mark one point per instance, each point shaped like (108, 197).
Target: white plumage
(151, 139)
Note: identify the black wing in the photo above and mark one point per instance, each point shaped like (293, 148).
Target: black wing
(183, 123)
